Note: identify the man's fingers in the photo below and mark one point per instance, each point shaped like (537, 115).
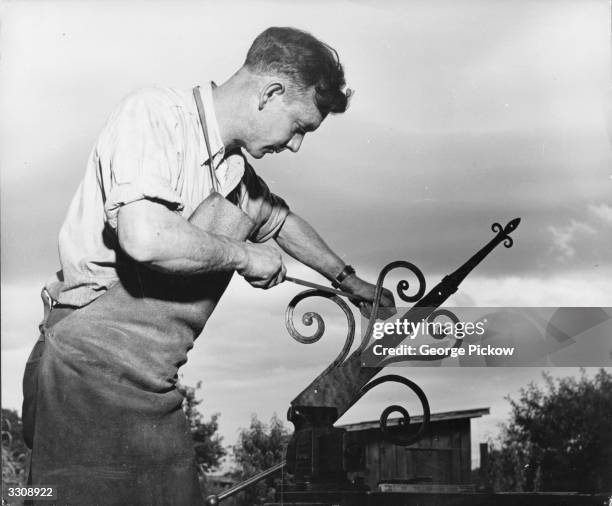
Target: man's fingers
(264, 267)
(386, 312)
(365, 308)
(387, 306)
(257, 283)
(387, 298)
(276, 279)
(279, 278)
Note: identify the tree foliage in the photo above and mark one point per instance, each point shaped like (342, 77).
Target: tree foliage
(14, 450)
(559, 437)
(259, 447)
(207, 443)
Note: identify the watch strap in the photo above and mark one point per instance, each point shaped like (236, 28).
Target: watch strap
(345, 273)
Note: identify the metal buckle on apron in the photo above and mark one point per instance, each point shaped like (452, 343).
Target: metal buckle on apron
(47, 299)
(48, 305)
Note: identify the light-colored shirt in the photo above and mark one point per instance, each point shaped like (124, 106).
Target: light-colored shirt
(152, 147)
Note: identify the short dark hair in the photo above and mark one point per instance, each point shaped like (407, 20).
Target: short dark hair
(306, 61)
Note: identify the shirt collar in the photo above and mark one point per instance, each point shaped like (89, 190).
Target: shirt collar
(228, 167)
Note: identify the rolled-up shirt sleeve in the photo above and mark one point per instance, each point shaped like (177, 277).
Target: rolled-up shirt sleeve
(274, 222)
(140, 154)
(267, 210)
(148, 187)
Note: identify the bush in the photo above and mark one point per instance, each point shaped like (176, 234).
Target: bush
(559, 438)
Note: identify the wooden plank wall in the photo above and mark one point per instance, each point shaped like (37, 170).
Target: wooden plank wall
(444, 454)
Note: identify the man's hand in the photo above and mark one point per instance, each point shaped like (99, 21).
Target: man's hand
(263, 267)
(358, 286)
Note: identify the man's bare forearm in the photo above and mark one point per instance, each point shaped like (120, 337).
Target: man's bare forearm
(163, 240)
(300, 240)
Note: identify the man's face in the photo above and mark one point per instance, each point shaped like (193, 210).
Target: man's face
(284, 118)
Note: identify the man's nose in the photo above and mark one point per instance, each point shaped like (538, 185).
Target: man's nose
(295, 143)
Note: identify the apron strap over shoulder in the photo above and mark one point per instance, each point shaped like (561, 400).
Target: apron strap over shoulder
(202, 115)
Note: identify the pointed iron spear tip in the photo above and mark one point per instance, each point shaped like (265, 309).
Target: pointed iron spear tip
(512, 225)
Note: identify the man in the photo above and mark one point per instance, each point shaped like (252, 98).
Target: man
(158, 224)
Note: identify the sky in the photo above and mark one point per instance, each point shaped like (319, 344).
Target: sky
(464, 114)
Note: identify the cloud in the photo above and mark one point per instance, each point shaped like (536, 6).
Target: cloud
(586, 239)
(588, 287)
(603, 212)
(564, 238)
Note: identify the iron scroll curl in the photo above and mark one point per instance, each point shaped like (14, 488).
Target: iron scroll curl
(310, 317)
(428, 358)
(400, 440)
(402, 287)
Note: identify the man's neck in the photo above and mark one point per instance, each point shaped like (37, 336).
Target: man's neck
(229, 107)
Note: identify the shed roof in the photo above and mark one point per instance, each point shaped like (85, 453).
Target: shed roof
(435, 417)
(220, 478)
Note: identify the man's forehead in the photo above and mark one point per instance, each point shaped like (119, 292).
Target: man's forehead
(311, 115)
(313, 119)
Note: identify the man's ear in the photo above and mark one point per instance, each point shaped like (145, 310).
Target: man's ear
(269, 92)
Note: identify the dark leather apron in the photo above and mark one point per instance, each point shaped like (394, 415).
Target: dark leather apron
(108, 425)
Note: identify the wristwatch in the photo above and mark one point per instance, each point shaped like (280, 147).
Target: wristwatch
(345, 273)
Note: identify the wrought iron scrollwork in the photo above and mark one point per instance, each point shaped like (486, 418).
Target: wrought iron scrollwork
(449, 314)
(310, 317)
(400, 439)
(402, 287)
(427, 358)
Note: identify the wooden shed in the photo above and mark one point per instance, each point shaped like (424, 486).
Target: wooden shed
(442, 456)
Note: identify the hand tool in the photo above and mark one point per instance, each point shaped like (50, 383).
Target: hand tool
(324, 288)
